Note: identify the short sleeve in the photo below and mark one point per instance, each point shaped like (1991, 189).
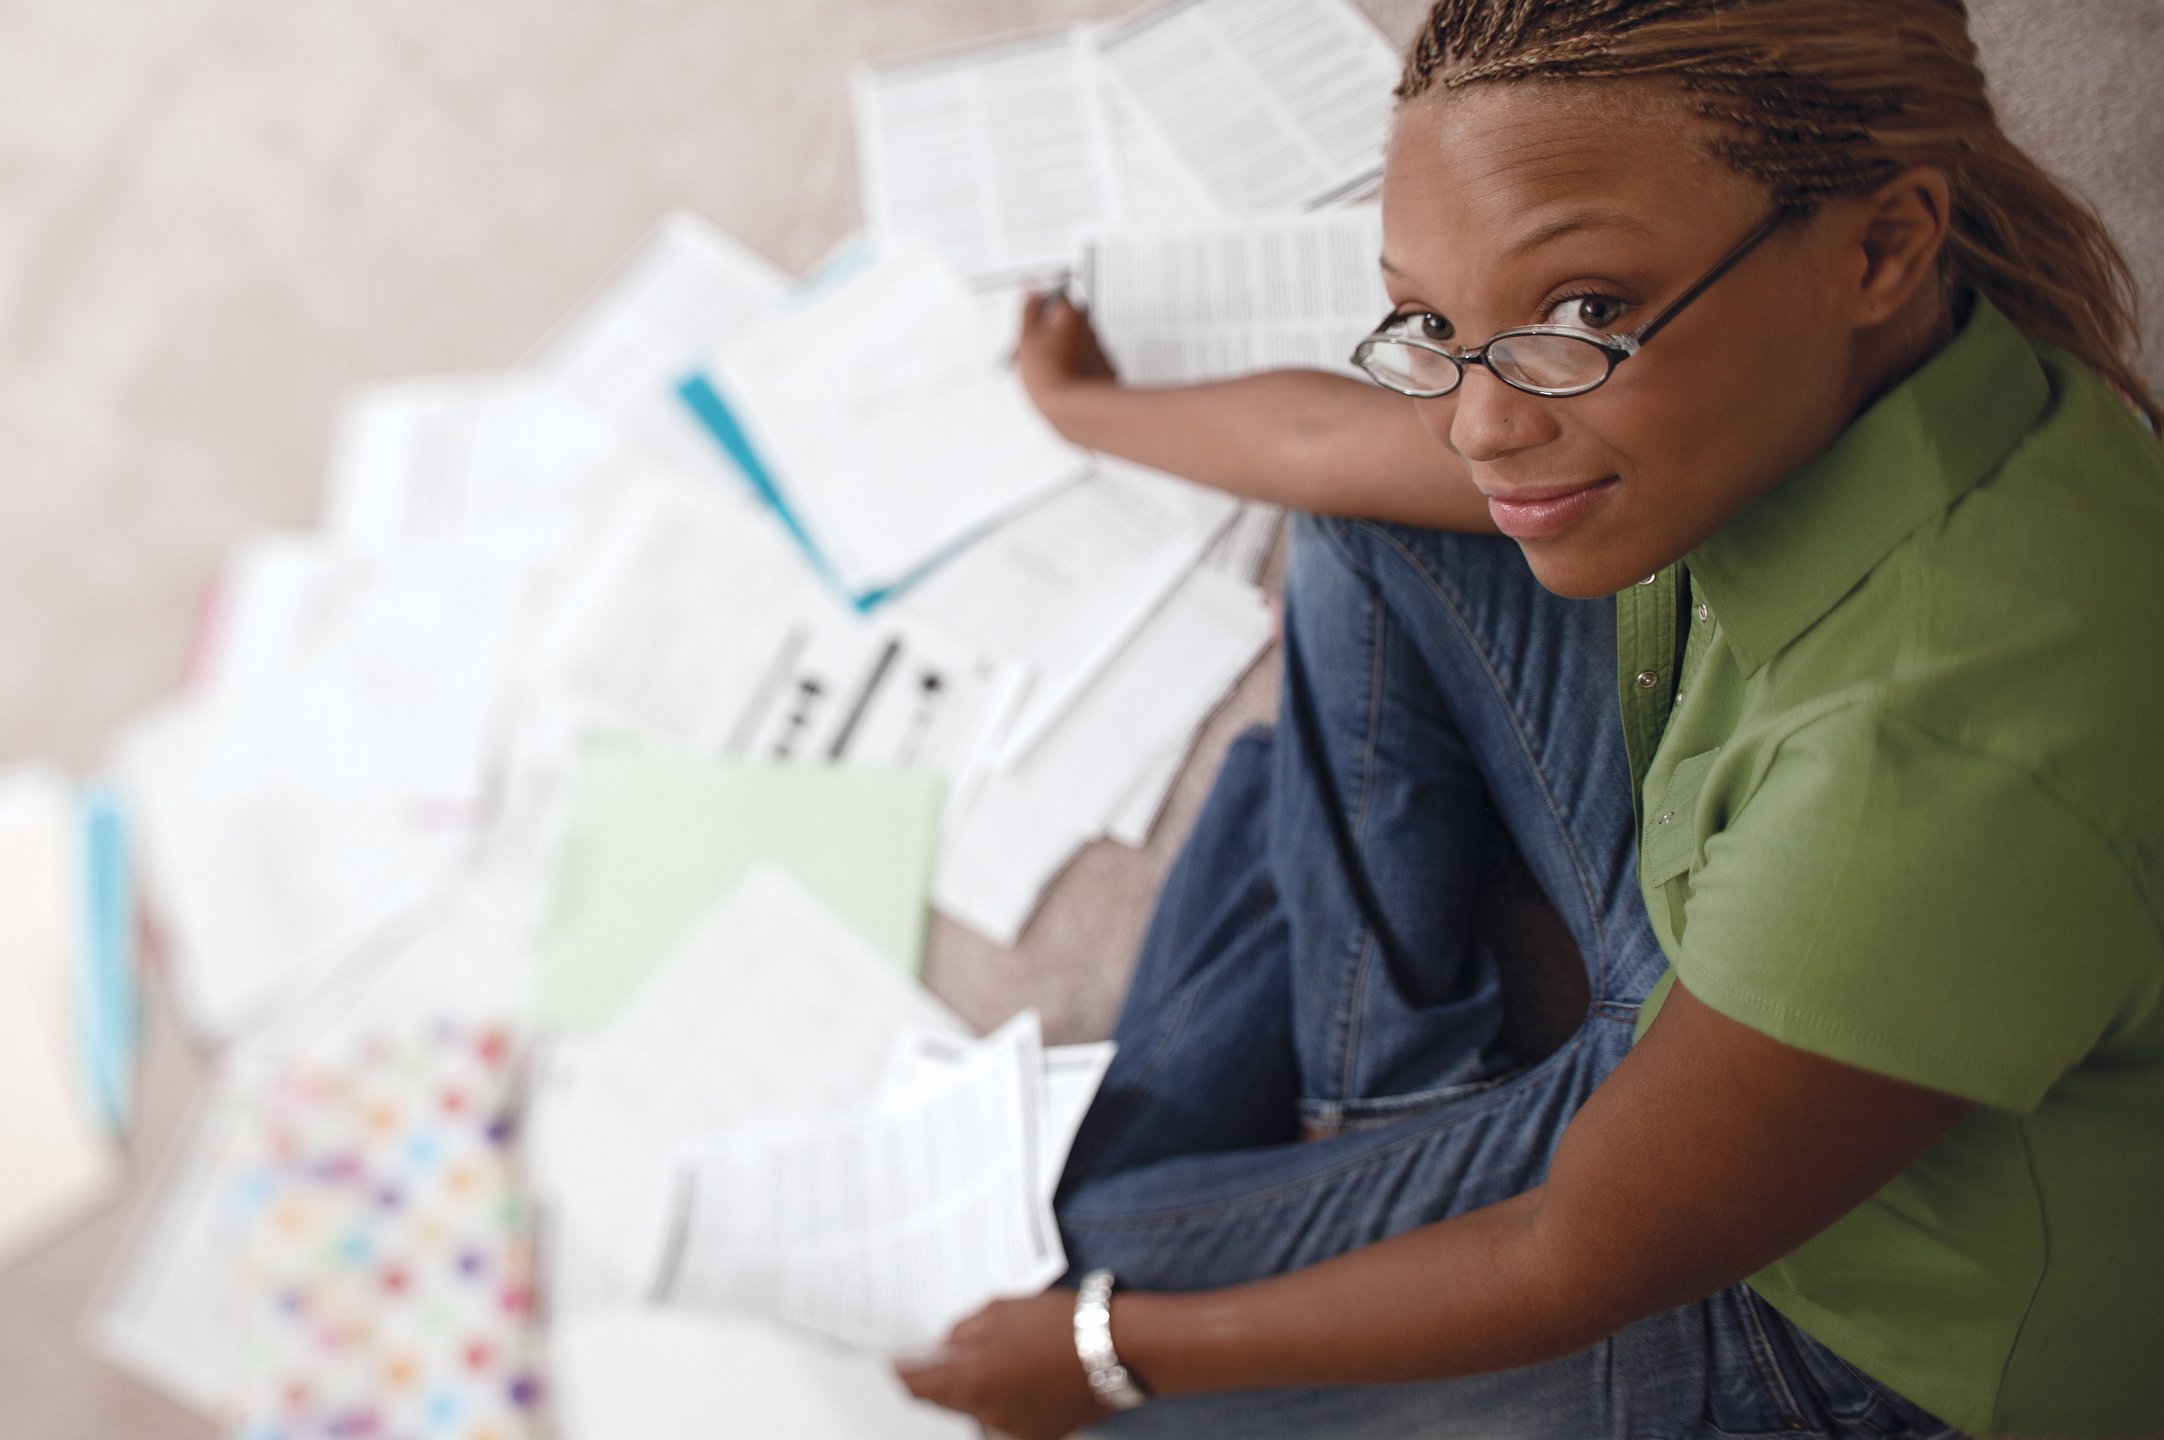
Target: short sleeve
(1889, 900)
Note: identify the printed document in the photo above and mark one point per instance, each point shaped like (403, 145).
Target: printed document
(1205, 303)
(1027, 822)
(1277, 105)
(636, 1373)
(883, 1226)
(337, 673)
(886, 421)
(1063, 586)
(261, 895)
(692, 620)
(690, 289)
(1156, 189)
(490, 462)
(770, 1011)
(675, 614)
(994, 155)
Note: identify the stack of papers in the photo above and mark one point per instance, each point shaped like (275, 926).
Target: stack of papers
(881, 420)
(65, 1004)
(1005, 157)
(883, 1225)
(637, 703)
(771, 1028)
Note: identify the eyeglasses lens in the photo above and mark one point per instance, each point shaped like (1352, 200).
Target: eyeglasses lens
(1549, 362)
(1409, 367)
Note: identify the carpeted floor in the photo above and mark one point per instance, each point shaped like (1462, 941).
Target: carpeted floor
(218, 215)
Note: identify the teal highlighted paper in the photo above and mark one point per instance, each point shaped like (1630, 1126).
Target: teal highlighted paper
(720, 421)
(106, 975)
(655, 837)
(712, 411)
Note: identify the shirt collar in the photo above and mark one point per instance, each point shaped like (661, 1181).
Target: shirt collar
(1776, 568)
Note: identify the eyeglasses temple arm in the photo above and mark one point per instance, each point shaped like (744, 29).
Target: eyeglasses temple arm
(1728, 262)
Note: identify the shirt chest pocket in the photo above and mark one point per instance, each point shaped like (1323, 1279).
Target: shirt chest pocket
(1672, 825)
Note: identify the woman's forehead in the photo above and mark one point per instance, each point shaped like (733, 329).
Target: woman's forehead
(1503, 170)
(1506, 146)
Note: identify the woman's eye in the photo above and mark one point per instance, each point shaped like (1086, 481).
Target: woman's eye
(1434, 327)
(1587, 312)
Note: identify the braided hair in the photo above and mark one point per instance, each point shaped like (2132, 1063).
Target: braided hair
(1822, 98)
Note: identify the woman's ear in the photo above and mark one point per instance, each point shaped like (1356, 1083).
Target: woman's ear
(1901, 229)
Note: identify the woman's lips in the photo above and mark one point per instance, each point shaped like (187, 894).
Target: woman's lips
(1535, 517)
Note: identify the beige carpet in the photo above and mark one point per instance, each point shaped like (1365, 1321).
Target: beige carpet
(218, 215)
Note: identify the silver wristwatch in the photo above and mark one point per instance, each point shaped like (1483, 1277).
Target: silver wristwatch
(1109, 1381)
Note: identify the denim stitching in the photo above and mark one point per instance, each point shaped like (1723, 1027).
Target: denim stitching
(1570, 844)
(1473, 1108)
(1768, 1365)
(1185, 1000)
(1365, 945)
(1362, 945)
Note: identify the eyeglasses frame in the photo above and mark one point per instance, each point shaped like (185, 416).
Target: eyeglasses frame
(1618, 348)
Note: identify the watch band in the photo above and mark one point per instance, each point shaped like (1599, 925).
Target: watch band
(1109, 1381)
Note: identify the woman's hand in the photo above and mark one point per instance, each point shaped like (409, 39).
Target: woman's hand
(1058, 354)
(1012, 1367)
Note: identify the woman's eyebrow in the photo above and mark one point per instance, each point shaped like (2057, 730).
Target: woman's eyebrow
(1571, 223)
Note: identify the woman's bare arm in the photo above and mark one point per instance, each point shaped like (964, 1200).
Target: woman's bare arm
(1711, 1151)
(1301, 438)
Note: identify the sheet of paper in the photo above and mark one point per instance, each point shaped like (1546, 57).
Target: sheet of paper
(1136, 819)
(995, 155)
(694, 622)
(262, 895)
(165, 1310)
(690, 289)
(1026, 823)
(379, 674)
(1204, 303)
(466, 958)
(481, 461)
(1072, 1074)
(886, 421)
(1242, 550)
(684, 599)
(1276, 105)
(771, 1009)
(1155, 187)
(883, 1226)
(668, 1375)
(654, 837)
(60, 1157)
(1063, 586)
(885, 692)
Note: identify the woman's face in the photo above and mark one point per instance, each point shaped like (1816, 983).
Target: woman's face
(1595, 206)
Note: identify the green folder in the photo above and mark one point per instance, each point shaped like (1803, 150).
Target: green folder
(655, 837)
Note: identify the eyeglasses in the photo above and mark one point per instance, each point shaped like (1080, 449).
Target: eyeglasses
(1550, 360)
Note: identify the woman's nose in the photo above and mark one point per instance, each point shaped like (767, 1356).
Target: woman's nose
(1488, 420)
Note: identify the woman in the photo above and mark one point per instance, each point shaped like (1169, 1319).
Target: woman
(1850, 795)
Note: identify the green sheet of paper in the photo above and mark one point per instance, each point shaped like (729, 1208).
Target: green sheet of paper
(655, 837)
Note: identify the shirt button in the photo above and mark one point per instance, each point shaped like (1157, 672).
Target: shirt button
(1651, 578)
(1666, 816)
(1704, 614)
(1647, 679)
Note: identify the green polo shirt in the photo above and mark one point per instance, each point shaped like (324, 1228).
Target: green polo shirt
(1906, 810)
